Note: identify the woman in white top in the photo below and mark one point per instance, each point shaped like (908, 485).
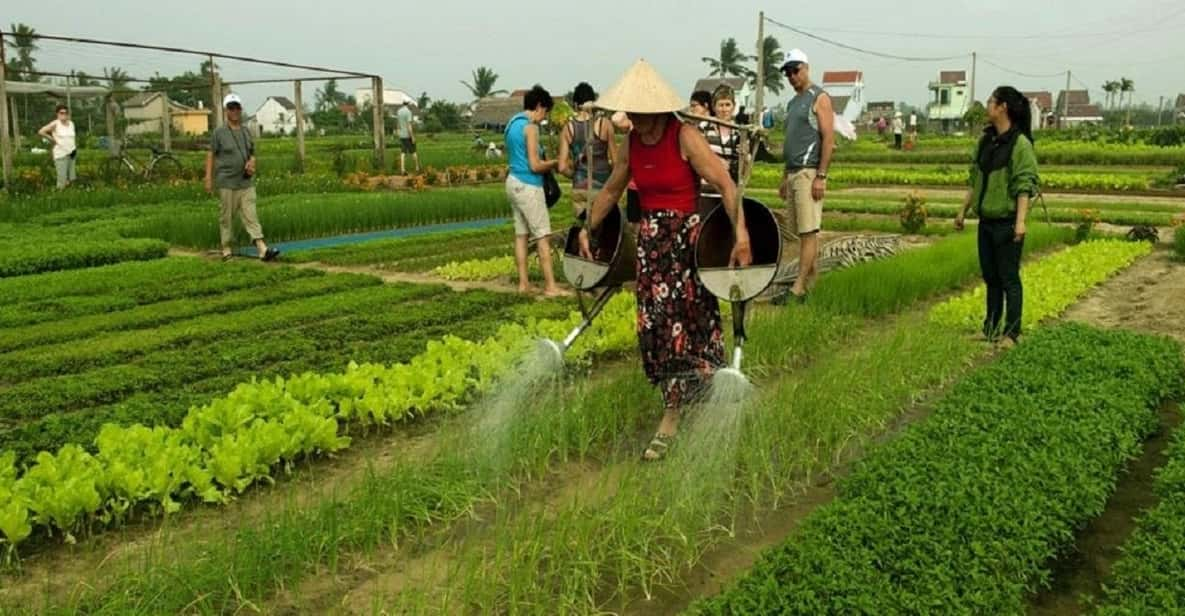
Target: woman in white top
(60, 133)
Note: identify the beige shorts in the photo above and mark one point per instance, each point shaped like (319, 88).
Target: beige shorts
(529, 207)
(803, 213)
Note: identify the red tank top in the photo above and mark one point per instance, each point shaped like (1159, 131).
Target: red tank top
(665, 181)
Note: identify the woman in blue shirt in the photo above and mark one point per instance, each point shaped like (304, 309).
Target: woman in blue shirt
(524, 187)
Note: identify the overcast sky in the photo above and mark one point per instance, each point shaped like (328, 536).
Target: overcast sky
(431, 46)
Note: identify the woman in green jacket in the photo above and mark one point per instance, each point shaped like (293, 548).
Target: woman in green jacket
(1003, 180)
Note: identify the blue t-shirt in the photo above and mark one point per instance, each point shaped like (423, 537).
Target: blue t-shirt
(516, 150)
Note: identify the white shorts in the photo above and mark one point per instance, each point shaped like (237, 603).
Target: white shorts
(529, 207)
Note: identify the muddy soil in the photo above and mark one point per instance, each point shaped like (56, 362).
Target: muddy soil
(1147, 297)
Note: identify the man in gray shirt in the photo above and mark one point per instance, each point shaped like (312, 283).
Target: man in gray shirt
(407, 138)
(230, 167)
(810, 140)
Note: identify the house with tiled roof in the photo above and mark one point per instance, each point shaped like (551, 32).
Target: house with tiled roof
(1073, 107)
(847, 93)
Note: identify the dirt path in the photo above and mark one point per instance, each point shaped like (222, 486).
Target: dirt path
(1149, 297)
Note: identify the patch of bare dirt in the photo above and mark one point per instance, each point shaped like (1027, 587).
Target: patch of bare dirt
(1149, 296)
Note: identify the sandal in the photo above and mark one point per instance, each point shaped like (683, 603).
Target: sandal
(657, 449)
(270, 254)
(227, 257)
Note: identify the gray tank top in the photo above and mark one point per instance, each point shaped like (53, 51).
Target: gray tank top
(803, 140)
(600, 152)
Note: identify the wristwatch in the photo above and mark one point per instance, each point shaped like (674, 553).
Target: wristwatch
(822, 175)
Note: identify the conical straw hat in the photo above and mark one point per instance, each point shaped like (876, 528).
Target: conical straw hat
(641, 90)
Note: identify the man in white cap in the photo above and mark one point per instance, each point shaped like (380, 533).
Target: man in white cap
(230, 167)
(898, 130)
(810, 141)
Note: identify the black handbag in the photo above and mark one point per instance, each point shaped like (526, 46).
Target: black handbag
(551, 189)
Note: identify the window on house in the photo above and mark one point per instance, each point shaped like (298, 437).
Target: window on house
(944, 97)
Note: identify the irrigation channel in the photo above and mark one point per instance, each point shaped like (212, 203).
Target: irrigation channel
(358, 238)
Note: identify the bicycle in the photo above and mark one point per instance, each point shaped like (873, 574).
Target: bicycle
(161, 166)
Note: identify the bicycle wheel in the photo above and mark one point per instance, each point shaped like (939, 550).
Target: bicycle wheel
(165, 167)
(115, 168)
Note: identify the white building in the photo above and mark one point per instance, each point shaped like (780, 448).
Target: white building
(277, 116)
(391, 97)
(950, 100)
(740, 88)
(846, 89)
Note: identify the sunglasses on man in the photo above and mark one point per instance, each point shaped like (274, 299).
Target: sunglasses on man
(792, 69)
(234, 107)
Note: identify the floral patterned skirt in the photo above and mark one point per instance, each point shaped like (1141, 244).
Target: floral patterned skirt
(678, 319)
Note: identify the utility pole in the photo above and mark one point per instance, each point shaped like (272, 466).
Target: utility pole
(760, 97)
(5, 147)
(974, 65)
(1159, 112)
(1061, 122)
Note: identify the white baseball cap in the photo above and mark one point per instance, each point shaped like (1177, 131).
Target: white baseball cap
(231, 98)
(796, 56)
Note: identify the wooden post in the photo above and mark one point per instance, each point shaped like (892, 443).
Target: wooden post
(974, 64)
(380, 146)
(759, 101)
(5, 147)
(215, 96)
(16, 125)
(166, 122)
(109, 112)
(299, 124)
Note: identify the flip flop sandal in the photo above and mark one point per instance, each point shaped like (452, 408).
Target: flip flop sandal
(226, 258)
(657, 449)
(270, 254)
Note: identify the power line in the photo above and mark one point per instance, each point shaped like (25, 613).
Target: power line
(1160, 25)
(1015, 72)
(879, 54)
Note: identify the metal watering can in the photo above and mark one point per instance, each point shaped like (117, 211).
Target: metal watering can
(614, 248)
(737, 285)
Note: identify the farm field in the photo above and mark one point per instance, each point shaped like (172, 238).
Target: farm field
(361, 428)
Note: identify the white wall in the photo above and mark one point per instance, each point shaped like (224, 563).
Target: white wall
(274, 119)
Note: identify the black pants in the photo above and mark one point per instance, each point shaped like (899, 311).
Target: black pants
(897, 140)
(999, 259)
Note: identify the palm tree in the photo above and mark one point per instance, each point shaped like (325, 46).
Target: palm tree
(23, 42)
(1128, 86)
(773, 57)
(1111, 87)
(483, 83)
(731, 61)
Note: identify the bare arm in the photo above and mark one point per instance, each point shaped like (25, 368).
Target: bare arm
(611, 192)
(566, 166)
(537, 165)
(1022, 214)
(826, 115)
(607, 135)
(47, 132)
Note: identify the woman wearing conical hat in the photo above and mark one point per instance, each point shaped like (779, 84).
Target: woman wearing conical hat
(678, 319)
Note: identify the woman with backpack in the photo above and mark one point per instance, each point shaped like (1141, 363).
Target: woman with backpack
(575, 148)
(1003, 181)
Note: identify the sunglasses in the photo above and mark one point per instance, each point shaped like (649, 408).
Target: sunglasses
(234, 107)
(792, 69)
